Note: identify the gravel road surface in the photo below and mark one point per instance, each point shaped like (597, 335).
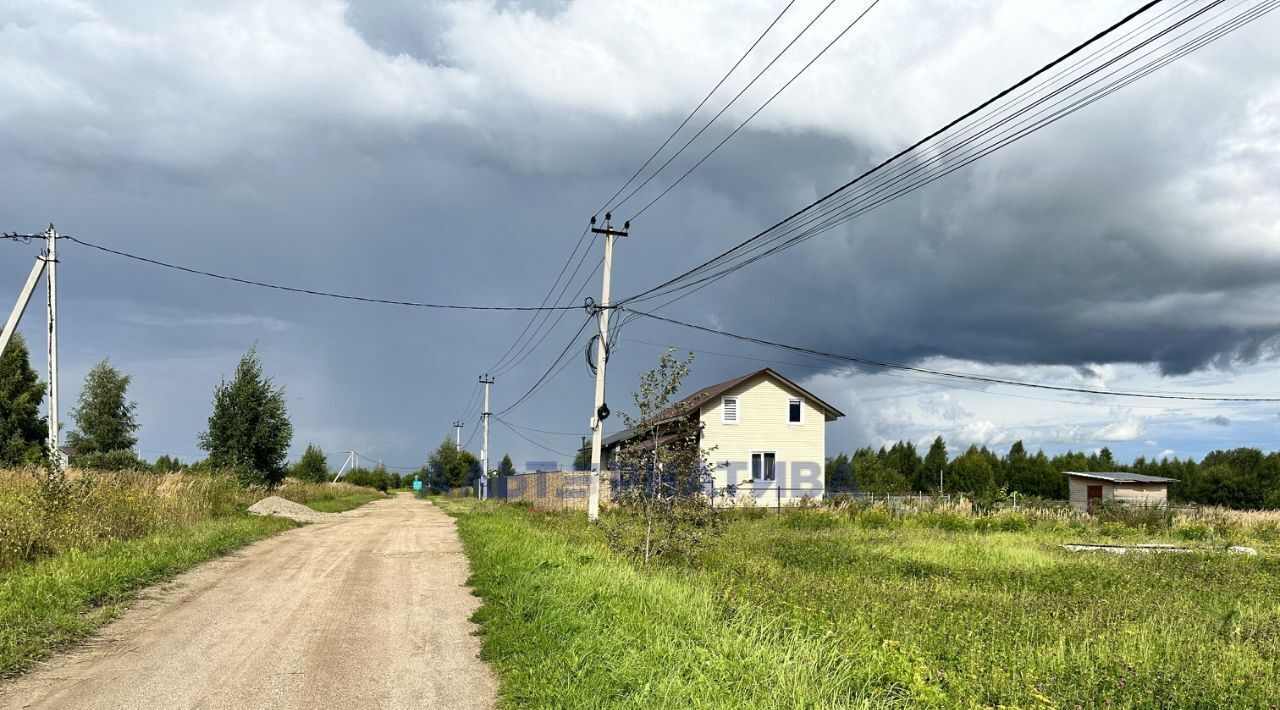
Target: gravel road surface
(368, 610)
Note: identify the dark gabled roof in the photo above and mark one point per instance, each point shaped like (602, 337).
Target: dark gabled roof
(1122, 477)
(694, 401)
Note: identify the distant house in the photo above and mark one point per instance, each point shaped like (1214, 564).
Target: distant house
(1132, 488)
(768, 436)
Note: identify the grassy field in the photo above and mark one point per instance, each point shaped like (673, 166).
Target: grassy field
(74, 548)
(863, 609)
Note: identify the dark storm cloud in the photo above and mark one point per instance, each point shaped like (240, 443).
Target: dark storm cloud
(368, 148)
(1081, 245)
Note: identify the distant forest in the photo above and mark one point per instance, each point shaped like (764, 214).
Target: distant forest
(1239, 478)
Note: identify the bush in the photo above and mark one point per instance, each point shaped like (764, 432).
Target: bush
(123, 460)
(1194, 531)
(1134, 516)
(1004, 522)
(806, 519)
(874, 519)
(945, 521)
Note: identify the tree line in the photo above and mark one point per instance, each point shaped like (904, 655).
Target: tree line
(1239, 478)
(248, 431)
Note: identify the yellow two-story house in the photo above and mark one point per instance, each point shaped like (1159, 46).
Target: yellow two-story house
(766, 436)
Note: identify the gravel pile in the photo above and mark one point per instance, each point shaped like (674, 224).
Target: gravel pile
(275, 505)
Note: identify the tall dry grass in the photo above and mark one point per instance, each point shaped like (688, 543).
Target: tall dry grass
(43, 515)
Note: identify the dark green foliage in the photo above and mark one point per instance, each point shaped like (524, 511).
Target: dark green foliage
(971, 472)
(506, 468)
(935, 462)
(873, 476)
(313, 466)
(378, 478)
(249, 430)
(903, 458)
(103, 414)
(582, 459)
(450, 467)
(840, 475)
(22, 429)
(168, 464)
(118, 460)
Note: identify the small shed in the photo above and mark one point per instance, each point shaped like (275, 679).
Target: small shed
(1132, 488)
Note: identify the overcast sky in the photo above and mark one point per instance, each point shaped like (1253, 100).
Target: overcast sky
(452, 152)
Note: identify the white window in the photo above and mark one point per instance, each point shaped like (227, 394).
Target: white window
(762, 466)
(795, 411)
(729, 406)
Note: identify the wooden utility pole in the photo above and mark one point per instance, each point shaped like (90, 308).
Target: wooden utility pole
(601, 410)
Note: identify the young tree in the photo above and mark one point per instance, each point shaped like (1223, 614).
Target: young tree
(167, 464)
(971, 472)
(582, 459)
(450, 467)
(935, 462)
(506, 468)
(103, 414)
(22, 430)
(662, 503)
(249, 430)
(313, 466)
(840, 477)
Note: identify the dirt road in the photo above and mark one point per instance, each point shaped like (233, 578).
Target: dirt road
(368, 611)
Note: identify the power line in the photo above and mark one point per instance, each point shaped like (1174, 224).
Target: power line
(697, 108)
(544, 431)
(722, 257)
(534, 345)
(550, 289)
(850, 208)
(755, 113)
(375, 461)
(538, 444)
(987, 379)
(548, 374)
(928, 381)
(726, 107)
(313, 292)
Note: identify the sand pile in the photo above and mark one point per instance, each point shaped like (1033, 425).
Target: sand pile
(275, 505)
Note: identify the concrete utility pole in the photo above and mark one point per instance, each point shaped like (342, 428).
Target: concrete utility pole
(601, 411)
(351, 461)
(51, 280)
(484, 446)
(457, 435)
(23, 299)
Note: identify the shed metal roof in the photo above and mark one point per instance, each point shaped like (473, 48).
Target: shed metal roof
(1121, 477)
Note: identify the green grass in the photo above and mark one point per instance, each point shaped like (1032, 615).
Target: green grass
(820, 609)
(346, 502)
(57, 600)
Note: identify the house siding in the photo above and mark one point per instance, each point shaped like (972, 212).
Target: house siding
(1142, 493)
(1079, 490)
(763, 426)
(1131, 493)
